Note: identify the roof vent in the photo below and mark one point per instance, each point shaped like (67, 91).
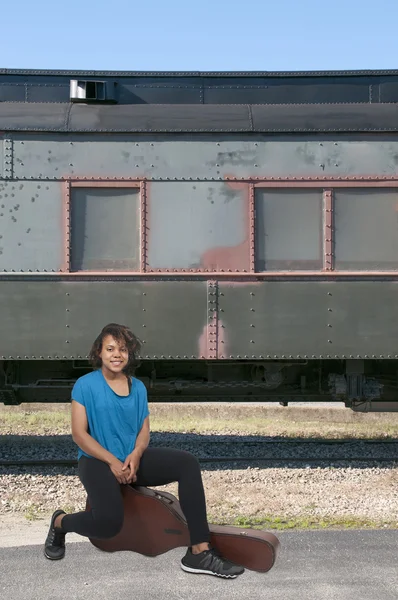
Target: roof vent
(92, 91)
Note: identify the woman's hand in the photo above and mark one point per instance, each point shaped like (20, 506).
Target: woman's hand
(132, 462)
(117, 468)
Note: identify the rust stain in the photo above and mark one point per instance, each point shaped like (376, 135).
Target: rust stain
(245, 283)
(222, 343)
(202, 342)
(233, 258)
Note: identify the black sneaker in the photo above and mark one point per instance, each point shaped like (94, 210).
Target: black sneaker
(54, 547)
(210, 562)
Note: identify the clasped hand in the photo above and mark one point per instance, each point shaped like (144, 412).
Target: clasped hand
(126, 472)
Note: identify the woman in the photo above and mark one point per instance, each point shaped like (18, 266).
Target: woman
(110, 425)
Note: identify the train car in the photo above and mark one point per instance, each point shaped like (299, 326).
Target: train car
(244, 225)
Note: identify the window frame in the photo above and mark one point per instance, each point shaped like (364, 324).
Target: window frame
(86, 182)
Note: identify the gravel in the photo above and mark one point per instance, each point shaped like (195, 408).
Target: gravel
(49, 447)
(333, 489)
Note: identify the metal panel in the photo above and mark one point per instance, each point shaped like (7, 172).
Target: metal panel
(308, 319)
(47, 92)
(388, 91)
(160, 93)
(364, 319)
(366, 236)
(285, 92)
(161, 158)
(288, 229)
(264, 320)
(12, 92)
(33, 320)
(198, 226)
(105, 229)
(30, 226)
(170, 317)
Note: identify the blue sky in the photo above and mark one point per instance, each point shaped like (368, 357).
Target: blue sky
(209, 35)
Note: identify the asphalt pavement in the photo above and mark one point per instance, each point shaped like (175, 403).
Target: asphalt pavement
(312, 565)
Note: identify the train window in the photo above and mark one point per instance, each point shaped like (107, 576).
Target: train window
(366, 229)
(105, 225)
(288, 229)
(198, 225)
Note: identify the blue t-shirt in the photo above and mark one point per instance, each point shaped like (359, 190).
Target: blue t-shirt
(113, 421)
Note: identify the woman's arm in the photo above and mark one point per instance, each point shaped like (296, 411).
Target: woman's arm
(133, 460)
(89, 445)
(142, 441)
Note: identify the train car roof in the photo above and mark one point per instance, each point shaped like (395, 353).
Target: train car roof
(151, 118)
(330, 73)
(195, 101)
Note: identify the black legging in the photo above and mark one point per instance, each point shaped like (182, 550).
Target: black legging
(158, 466)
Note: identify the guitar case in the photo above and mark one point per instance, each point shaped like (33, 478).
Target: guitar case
(154, 524)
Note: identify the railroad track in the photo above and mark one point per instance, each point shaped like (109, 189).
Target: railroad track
(258, 458)
(223, 459)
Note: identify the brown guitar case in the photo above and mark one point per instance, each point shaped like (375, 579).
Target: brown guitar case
(154, 523)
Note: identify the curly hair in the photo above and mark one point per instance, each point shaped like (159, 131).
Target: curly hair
(121, 334)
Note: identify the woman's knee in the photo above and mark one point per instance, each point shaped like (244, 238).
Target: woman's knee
(188, 462)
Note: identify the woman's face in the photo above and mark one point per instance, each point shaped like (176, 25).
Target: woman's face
(114, 355)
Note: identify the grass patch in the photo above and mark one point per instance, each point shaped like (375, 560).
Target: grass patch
(289, 423)
(34, 422)
(276, 427)
(33, 512)
(308, 522)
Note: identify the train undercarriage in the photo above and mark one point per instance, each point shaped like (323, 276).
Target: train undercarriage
(363, 385)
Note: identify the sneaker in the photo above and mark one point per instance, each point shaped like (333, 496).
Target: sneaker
(210, 562)
(54, 547)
